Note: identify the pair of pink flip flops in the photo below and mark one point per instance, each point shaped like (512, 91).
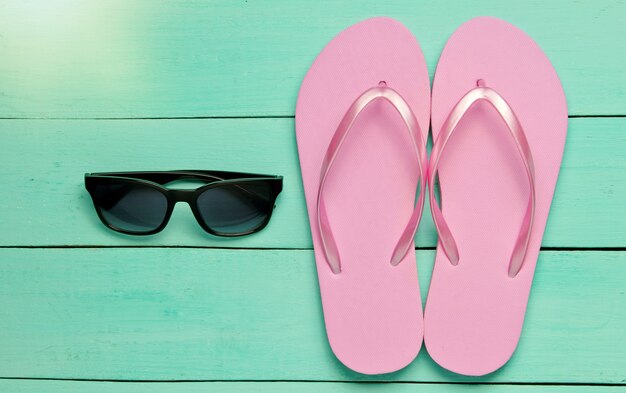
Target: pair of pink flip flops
(499, 121)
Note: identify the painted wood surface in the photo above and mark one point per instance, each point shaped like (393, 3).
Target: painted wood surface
(80, 302)
(212, 314)
(43, 201)
(282, 387)
(145, 58)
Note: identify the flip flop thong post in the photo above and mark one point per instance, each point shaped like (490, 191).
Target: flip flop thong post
(499, 121)
(361, 115)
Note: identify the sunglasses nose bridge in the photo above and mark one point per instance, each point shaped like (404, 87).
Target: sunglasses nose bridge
(183, 195)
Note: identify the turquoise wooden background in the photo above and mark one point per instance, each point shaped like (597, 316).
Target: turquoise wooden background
(123, 85)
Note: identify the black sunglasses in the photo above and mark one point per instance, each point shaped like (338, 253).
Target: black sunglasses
(229, 204)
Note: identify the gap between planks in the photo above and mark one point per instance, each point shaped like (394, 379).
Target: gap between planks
(78, 246)
(156, 381)
(237, 117)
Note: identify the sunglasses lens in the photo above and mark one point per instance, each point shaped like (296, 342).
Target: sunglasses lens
(130, 207)
(236, 208)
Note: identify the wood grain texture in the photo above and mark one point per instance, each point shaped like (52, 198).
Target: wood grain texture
(206, 314)
(283, 387)
(43, 201)
(223, 314)
(142, 58)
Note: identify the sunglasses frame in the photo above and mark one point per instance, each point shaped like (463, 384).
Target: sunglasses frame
(157, 180)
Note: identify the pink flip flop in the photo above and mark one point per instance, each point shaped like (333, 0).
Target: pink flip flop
(360, 115)
(498, 92)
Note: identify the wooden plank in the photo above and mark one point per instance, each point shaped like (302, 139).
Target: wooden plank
(223, 58)
(29, 386)
(207, 314)
(42, 200)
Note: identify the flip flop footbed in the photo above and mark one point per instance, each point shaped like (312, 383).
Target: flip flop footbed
(372, 310)
(475, 311)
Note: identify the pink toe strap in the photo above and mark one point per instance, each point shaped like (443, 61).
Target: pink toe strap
(482, 93)
(329, 245)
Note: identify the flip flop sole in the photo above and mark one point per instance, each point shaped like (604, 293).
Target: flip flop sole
(475, 311)
(372, 310)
